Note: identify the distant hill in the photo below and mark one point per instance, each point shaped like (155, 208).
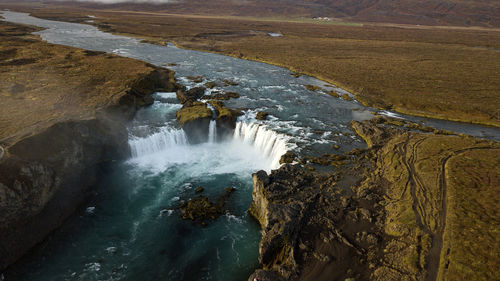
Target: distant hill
(426, 12)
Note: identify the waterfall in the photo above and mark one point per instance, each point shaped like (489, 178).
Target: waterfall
(212, 131)
(160, 141)
(271, 144)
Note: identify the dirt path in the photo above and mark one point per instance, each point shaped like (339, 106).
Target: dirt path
(423, 206)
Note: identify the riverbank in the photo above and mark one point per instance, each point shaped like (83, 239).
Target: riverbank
(64, 112)
(431, 72)
(410, 206)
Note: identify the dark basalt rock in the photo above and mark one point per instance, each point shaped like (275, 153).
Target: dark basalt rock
(261, 115)
(328, 159)
(222, 96)
(211, 84)
(195, 79)
(200, 209)
(288, 157)
(229, 83)
(233, 95)
(310, 228)
(191, 95)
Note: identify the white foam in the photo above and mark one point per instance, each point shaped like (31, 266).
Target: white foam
(270, 143)
(157, 142)
(391, 114)
(166, 95)
(212, 131)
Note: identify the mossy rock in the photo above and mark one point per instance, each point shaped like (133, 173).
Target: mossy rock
(288, 157)
(223, 112)
(230, 83)
(191, 113)
(233, 95)
(211, 84)
(191, 95)
(346, 97)
(261, 115)
(313, 88)
(334, 94)
(195, 79)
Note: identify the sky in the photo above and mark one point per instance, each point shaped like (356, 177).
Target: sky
(126, 1)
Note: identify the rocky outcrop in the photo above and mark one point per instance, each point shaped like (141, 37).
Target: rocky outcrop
(261, 115)
(309, 227)
(288, 157)
(45, 176)
(190, 96)
(195, 116)
(226, 118)
(202, 210)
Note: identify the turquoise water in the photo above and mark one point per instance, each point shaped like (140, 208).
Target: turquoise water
(129, 230)
(124, 235)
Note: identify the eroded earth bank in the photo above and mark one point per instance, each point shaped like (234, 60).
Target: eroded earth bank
(63, 113)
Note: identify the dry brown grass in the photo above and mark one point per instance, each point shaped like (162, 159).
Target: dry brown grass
(470, 251)
(441, 200)
(436, 72)
(43, 83)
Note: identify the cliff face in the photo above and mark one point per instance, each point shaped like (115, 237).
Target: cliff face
(45, 177)
(57, 127)
(310, 227)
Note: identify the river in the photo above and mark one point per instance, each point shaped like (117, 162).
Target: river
(128, 230)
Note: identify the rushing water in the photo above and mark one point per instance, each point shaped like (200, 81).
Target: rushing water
(129, 230)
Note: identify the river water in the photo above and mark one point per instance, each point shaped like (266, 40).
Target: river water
(128, 230)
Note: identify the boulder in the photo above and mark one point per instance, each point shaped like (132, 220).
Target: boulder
(201, 209)
(230, 83)
(346, 97)
(334, 94)
(191, 95)
(313, 88)
(288, 157)
(261, 115)
(211, 84)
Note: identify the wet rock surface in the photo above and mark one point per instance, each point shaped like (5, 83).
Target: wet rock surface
(288, 157)
(309, 226)
(191, 95)
(195, 115)
(261, 115)
(201, 210)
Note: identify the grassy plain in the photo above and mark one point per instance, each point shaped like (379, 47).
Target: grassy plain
(441, 200)
(441, 72)
(43, 84)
